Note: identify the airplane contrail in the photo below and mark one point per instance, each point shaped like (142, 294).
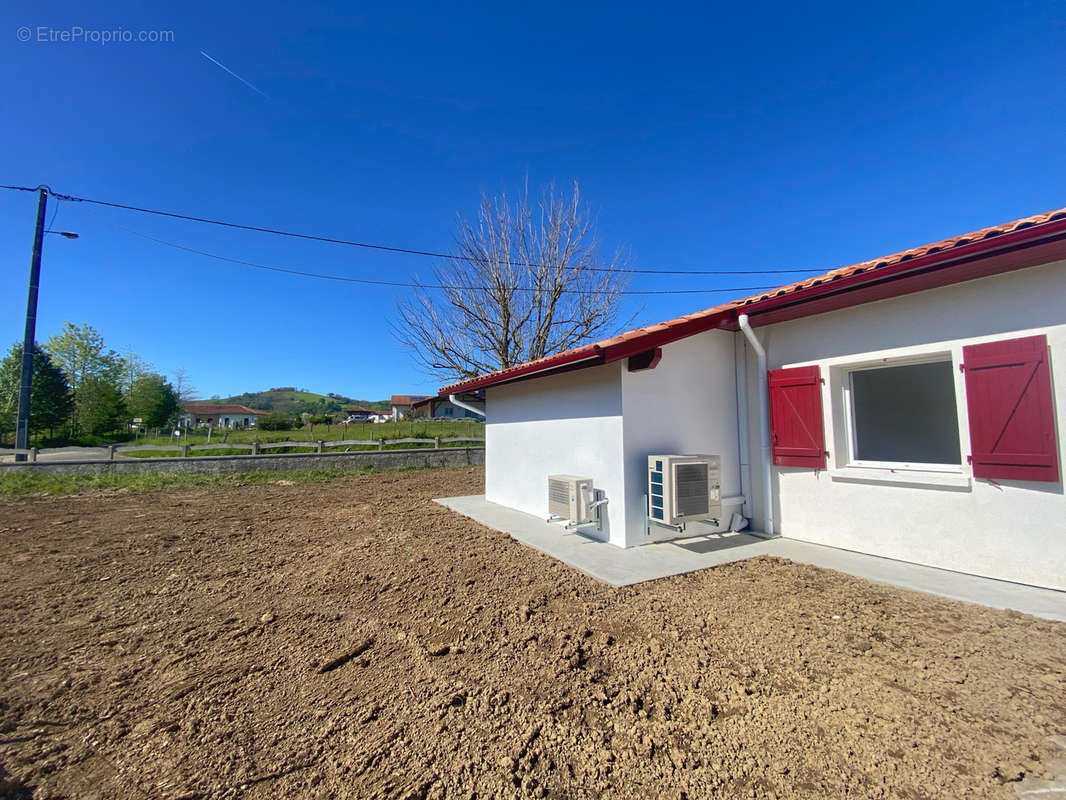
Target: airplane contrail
(235, 75)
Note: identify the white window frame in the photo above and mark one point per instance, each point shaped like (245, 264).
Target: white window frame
(849, 414)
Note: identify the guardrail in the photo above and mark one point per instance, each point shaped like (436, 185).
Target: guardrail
(257, 448)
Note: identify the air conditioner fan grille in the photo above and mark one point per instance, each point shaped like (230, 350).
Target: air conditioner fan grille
(691, 489)
(558, 492)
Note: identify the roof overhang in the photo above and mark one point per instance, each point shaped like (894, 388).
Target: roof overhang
(993, 255)
(1019, 249)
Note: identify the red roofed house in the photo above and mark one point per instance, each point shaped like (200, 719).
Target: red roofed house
(403, 404)
(218, 415)
(442, 407)
(908, 407)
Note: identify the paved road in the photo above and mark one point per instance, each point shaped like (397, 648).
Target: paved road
(67, 454)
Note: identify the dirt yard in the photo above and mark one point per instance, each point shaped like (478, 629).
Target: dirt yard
(354, 639)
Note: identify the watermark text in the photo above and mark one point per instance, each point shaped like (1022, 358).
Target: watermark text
(76, 34)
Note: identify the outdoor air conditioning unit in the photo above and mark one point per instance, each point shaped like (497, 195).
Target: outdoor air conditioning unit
(684, 489)
(570, 497)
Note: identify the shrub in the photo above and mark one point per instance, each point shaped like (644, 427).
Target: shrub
(275, 422)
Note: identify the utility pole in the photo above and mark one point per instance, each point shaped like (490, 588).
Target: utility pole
(22, 428)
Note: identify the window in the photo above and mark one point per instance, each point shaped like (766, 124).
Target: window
(904, 415)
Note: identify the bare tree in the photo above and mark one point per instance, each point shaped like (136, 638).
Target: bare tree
(183, 387)
(132, 367)
(525, 281)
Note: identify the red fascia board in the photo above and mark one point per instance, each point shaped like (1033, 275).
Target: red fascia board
(998, 254)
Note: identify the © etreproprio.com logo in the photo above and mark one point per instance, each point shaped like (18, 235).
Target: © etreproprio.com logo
(77, 34)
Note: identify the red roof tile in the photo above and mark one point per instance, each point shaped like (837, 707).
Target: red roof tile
(407, 399)
(708, 318)
(214, 408)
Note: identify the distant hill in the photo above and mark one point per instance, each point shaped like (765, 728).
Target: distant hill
(289, 400)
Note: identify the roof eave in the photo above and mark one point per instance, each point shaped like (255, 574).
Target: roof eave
(558, 362)
(1007, 252)
(1003, 252)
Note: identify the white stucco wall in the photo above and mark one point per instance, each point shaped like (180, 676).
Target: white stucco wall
(1013, 530)
(687, 404)
(229, 420)
(570, 424)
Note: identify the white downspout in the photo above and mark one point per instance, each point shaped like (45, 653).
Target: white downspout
(455, 401)
(764, 422)
(740, 376)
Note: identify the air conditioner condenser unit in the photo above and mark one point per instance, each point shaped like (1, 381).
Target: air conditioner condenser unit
(570, 497)
(684, 488)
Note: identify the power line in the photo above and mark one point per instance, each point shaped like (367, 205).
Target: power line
(403, 250)
(407, 284)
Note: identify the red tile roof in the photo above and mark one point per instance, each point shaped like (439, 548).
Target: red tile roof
(630, 342)
(408, 399)
(214, 408)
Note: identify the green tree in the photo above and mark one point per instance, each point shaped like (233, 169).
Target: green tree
(99, 404)
(276, 422)
(81, 354)
(153, 399)
(51, 400)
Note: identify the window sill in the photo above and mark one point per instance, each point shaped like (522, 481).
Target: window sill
(910, 476)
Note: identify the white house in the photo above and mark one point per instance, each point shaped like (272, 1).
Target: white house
(444, 408)
(403, 404)
(217, 415)
(907, 407)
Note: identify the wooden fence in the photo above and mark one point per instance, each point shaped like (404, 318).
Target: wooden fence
(258, 448)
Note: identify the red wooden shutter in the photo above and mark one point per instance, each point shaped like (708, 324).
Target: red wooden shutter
(1012, 418)
(796, 417)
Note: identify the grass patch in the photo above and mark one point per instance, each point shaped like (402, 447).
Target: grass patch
(413, 428)
(22, 483)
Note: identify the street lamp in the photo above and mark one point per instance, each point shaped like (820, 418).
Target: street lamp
(22, 426)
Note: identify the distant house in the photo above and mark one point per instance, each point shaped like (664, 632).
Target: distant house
(442, 408)
(403, 404)
(358, 414)
(215, 415)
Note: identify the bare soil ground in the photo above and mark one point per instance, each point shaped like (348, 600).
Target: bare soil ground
(354, 639)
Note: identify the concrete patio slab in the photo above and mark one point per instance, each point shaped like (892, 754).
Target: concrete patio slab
(623, 567)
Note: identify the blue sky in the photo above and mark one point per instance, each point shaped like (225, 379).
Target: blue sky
(731, 136)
